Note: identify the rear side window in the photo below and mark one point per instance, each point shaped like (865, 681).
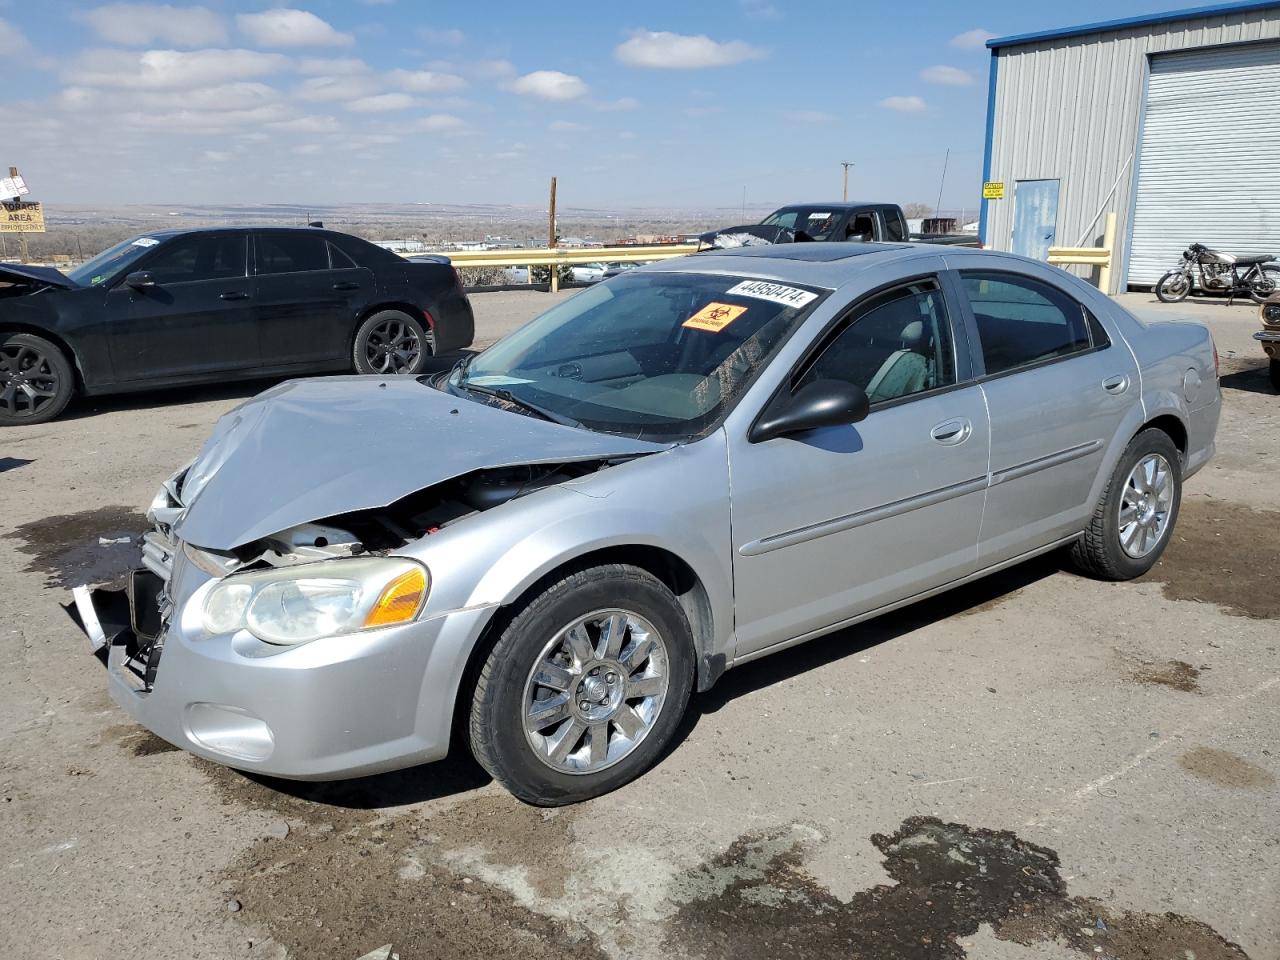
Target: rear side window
(894, 344)
(1022, 321)
(339, 259)
(291, 253)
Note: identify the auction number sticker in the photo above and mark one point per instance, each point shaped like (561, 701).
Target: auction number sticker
(774, 292)
(714, 317)
(145, 242)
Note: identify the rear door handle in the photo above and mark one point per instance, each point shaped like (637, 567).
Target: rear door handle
(951, 432)
(1116, 384)
(346, 286)
(234, 295)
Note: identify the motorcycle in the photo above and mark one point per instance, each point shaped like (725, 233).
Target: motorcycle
(1257, 275)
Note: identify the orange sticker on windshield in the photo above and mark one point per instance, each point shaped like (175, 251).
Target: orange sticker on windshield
(714, 317)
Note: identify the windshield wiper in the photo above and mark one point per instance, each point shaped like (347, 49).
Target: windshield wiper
(508, 397)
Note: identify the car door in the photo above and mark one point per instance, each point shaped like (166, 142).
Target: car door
(196, 318)
(1057, 390)
(839, 521)
(308, 295)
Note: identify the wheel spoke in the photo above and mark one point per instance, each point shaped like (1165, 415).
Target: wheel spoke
(646, 686)
(1128, 514)
(580, 644)
(543, 713)
(611, 636)
(638, 653)
(553, 675)
(629, 722)
(598, 741)
(569, 737)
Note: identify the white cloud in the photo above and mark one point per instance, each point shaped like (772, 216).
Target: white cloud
(676, 51)
(204, 121)
(307, 149)
(425, 81)
(809, 117)
(381, 103)
(217, 156)
(439, 122)
(759, 9)
(12, 40)
(449, 37)
(170, 69)
(549, 85)
(332, 66)
(283, 27)
(904, 104)
(140, 24)
(567, 126)
(974, 39)
(229, 96)
(947, 76)
(308, 124)
(331, 89)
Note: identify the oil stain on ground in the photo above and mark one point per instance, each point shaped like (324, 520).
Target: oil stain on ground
(1223, 553)
(1174, 674)
(758, 902)
(139, 741)
(66, 548)
(1225, 769)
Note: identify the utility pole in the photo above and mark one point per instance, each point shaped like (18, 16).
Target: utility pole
(942, 183)
(551, 236)
(846, 164)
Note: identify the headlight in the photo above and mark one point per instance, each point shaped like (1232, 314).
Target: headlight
(306, 602)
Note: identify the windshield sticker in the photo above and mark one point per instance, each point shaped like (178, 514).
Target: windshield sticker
(145, 242)
(774, 292)
(819, 216)
(714, 317)
(96, 280)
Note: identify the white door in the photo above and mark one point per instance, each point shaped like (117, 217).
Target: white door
(1208, 170)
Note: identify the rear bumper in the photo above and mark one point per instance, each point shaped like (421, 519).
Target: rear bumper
(455, 323)
(1202, 435)
(326, 710)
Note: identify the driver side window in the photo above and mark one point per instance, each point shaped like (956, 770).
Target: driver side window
(219, 256)
(893, 345)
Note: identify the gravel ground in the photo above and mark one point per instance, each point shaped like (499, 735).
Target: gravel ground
(1034, 766)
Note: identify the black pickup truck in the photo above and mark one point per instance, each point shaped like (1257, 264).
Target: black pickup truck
(841, 220)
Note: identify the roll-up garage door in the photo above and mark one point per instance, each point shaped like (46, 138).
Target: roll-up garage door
(1209, 170)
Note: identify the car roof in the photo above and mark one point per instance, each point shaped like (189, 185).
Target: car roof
(838, 204)
(829, 264)
(238, 228)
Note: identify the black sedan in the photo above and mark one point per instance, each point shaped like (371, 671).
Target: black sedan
(198, 306)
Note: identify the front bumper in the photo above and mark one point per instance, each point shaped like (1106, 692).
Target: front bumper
(1270, 342)
(330, 709)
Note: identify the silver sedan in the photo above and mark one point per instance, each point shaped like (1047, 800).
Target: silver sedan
(550, 548)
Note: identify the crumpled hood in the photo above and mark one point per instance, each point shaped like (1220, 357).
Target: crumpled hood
(310, 449)
(18, 273)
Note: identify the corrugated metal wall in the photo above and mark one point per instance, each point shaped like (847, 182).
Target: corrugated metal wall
(1208, 170)
(1070, 109)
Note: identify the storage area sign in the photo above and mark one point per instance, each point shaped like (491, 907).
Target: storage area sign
(21, 216)
(993, 190)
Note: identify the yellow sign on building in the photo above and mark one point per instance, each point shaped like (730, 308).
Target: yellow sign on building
(993, 190)
(21, 216)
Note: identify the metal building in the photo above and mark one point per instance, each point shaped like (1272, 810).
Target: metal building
(1168, 120)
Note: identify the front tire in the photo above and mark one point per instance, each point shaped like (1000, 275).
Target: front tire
(1173, 287)
(1133, 521)
(390, 342)
(36, 380)
(585, 686)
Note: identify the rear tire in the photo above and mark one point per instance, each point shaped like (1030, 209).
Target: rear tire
(390, 342)
(1275, 374)
(560, 715)
(1133, 521)
(36, 380)
(1173, 287)
(1272, 274)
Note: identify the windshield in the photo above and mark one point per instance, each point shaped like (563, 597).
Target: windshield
(818, 222)
(652, 355)
(111, 261)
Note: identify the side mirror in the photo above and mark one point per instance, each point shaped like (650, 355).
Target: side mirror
(140, 280)
(822, 403)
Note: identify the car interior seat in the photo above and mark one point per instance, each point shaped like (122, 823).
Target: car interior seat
(906, 370)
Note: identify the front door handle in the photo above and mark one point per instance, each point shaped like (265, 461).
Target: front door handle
(1118, 384)
(234, 295)
(951, 432)
(346, 286)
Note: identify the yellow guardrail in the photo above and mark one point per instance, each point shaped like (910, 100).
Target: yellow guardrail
(558, 256)
(1091, 256)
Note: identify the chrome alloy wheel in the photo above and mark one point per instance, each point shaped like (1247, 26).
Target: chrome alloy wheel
(1145, 505)
(595, 691)
(393, 347)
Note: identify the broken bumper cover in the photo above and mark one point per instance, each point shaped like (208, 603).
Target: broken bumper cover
(330, 709)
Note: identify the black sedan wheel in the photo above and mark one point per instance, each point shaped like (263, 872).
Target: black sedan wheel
(392, 342)
(36, 381)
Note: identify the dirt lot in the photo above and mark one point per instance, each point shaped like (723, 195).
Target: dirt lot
(1035, 766)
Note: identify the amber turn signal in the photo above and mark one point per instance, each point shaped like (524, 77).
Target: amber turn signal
(400, 601)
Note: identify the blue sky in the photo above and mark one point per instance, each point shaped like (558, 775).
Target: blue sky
(657, 104)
